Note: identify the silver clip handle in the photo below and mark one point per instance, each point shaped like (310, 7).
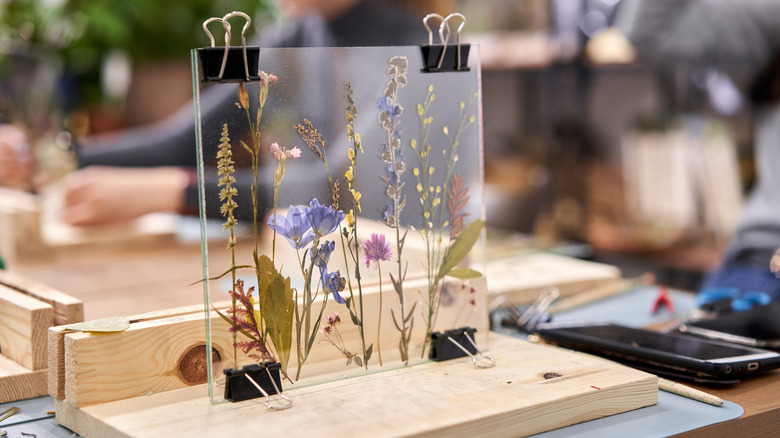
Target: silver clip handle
(228, 37)
(428, 28)
(280, 407)
(530, 318)
(486, 361)
(460, 28)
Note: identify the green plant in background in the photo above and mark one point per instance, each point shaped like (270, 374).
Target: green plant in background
(83, 31)
(443, 255)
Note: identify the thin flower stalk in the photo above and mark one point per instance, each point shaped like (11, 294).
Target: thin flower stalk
(226, 170)
(377, 249)
(391, 153)
(432, 196)
(332, 335)
(351, 246)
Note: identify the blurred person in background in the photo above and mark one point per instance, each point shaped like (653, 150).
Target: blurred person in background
(744, 35)
(128, 173)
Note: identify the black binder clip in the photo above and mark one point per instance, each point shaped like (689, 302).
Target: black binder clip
(255, 380)
(228, 64)
(442, 57)
(455, 343)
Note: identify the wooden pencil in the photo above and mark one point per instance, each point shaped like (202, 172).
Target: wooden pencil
(687, 391)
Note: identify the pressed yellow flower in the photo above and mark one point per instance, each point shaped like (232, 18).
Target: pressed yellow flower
(358, 143)
(430, 88)
(462, 104)
(433, 97)
(446, 131)
(471, 119)
(420, 109)
(414, 144)
(427, 215)
(348, 174)
(419, 187)
(350, 131)
(438, 189)
(436, 202)
(351, 218)
(431, 189)
(357, 195)
(416, 171)
(430, 170)
(351, 153)
(243, 96)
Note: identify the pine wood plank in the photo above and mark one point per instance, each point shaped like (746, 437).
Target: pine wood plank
(67, 309)
(445, 399)
(23, 324)
(522, 278)
(18, 383)
(146, 358)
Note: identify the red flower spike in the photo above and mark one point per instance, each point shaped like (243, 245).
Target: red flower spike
(663, 299)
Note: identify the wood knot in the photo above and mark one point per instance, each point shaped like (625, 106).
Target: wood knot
(548, 376)
(192, 365)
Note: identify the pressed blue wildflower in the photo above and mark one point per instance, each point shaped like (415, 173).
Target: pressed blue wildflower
(334, 283)
(322, 255)
(295, 227)
(388, 213)
(323, 219)
(385, 105)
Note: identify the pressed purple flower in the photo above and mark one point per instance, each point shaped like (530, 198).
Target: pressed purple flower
(333, 283)
(295, 227)
(376, 249)
(323, 219)
(322, 254)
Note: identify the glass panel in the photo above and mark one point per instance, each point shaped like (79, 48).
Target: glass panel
(374, 170)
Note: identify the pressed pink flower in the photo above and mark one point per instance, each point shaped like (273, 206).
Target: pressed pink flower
(376, 248)
(266, 78)
(279, 151)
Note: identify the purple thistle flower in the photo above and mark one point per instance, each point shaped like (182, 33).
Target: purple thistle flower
(323, 219)
(295, 227)
(376, 248)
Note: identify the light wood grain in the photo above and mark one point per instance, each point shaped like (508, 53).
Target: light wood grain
(67, 309)
(446, 399)
(19, 383)
(522, 278)
(23, 324)
(146, 357)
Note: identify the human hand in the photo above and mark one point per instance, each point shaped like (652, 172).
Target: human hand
(100, 195)
(16, 164)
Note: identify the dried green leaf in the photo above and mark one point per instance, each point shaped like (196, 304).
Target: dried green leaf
(358, 361)
(464, 273)
(460, 247)
(369, 350)
(277, 307)
(103, 325)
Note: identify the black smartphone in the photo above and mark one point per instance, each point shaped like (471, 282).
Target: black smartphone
(757, 327)
(677, 354)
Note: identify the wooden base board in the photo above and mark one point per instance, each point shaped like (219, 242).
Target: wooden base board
(449, 399)
(19, 383)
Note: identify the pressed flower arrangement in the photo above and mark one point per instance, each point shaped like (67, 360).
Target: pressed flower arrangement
(340, 254)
